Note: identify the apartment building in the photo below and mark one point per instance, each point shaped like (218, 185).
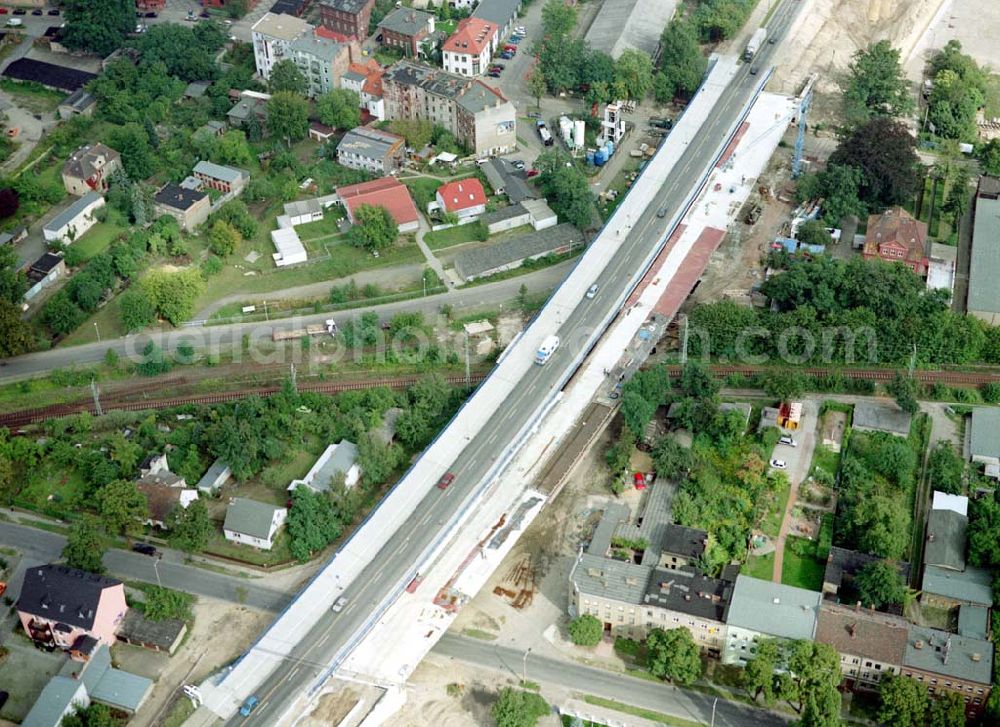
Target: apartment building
(468, 50)
(347, 17)
(762, 609)
(871, 644)
(372, 150)
(272, 37)
(322, 61)
(946, 662)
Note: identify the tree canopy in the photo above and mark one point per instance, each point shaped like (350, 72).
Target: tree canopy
(85, 545)
(959, 91)
(876, 84)
(286, 76)
(374, 228)
(518, 708)
(98, 26)
(673, 655)
(904, 701)
(339, 108)
(586, 630)
(885, 153)
(565, 187)
(287, 116)
(682, 64)
(879, 584)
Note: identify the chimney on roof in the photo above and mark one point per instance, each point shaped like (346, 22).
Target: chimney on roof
(918, 644)
(857, 606)
(852, 629)
(947, 648)
(977, 657)
(776, 601)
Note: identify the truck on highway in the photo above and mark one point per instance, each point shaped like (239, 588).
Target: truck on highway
(545, 351)
(316, 329)
(756, 41)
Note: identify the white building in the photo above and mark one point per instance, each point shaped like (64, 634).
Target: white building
(468, 50)
(253, 523)
(272, 37)
(288, 246)
(762, 609)
(338, 459)
(70, 224)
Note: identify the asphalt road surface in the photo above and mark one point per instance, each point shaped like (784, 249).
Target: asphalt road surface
(41, 546)
(219, 339)
(681, 703)
(321, 644)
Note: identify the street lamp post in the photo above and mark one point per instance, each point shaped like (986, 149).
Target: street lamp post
(524, 667)
(96, 328)
(714, 702)
(156, 569)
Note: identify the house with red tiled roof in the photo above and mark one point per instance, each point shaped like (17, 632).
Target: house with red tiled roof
(388, 193)
(895, 236)
(468, 50)
(365, 79)
(464, 198)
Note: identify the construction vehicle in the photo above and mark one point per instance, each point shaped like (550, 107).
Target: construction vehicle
(753, 212)
(316, 329)
(756, 41)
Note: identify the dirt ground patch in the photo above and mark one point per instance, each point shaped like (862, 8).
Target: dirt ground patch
(221, 632)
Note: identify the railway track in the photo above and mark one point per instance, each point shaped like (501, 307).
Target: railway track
(121, 401)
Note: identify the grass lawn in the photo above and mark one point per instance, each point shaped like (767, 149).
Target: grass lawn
(800, 567)
(97, 239)
(279, 553)
(109, 325)
(54, 491)
(320, 228)
(456, 235)
(423, 190)
(992, 107)
(824, 459)
(649, 714)
(772, 521)
(32, 97)
(759, 566)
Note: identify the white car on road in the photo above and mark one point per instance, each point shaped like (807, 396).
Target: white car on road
(787, 439)
(779, 464)
(339, 605)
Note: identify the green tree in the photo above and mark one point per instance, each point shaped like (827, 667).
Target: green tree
(122, 507)
(377, 460)
(671, 459)
(312, 523)
(876, 84)
(340, 108)
(163, 603)
(232, 148)
(879, 584)
(958, 199)
(173, 295)
(517, 708)
(673, 655)
(60, 314)
(989, 157)
(374, 228)
(565, 187)
(189, 527)
(697, 382)
(984, 524)
(813, 232)
(682, 65)
(417, 132)
(558, 18)
(137, 310)
(885, 153)
(223, 238)
(288, 116)
(93, 715)
(86, 545)
(759, 674)
(904, 390)
(904, 702)
(132, 142)
(586, 630)
(784, 384)
(286, 77)
(98, 26)
(815, 670)
(537, 85)
(945, 468)
(946, 710)
(634, 73)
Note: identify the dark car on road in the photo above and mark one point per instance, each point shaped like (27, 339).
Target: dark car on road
(446, 480)
(144, 548)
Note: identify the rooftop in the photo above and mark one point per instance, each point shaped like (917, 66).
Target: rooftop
(939, 652)
(79, 100)
(974, 621)
(985, 436)
(843, 562)
(514, 185)
(472, 36)
(250, 517)
(281, 26)
(317, 46)
(478, 96)
(860, 632)
(475, 262)
(687, 590)
(88, 160)
(53, 702)
(462, 195)
(946, 539)
(499, 12)
(681, 540)
(615, 513)
(623, 24)
(955, 503)
(45, 264)
(219, 171)
(897, 226)
(387, 192)
(973, 585)
(984, 269)
(603, 577)
(177, 197)
(774, 609)
(433, 80)
(69, 214)
(336, 459)
(405, 21)
(163, 634)
(119, 689)
(48, 74)
(882, 418)
(347, 6)
(63, 594)
(370, 143)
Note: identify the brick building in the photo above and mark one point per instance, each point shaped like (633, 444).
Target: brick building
(349, 17)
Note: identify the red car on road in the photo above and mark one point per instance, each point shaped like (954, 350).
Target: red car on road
(446, 480)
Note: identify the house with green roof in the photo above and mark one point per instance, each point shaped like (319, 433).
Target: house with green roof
(950, 664)
(761, 609)
(946, 588)
(253, 523)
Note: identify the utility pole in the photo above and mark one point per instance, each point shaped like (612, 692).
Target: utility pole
(684, 341)
(156, 569)
(295, 384)
(468, 377)
(265, 311)
(524, 667)
(96, 328)
(913, 360)
(97, 397)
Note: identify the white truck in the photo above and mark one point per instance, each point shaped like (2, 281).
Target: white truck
(545, 351)
(755, 44)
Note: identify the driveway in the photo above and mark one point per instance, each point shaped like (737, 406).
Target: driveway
(798, 460)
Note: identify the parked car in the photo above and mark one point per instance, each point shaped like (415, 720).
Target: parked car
(494, 74)
(639, 480)
(250, 705)
(204, 14)
(339, 605)
(3, 11)
(779, 464)
(518, 164)
(144, 548)
(506, 55)
(20, 11)
(37, 11)
(788, 439)
(151, 14)
(592, 291)
(446, 479)
(54, 11)
(532, 173)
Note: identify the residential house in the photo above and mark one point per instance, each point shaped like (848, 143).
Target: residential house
(78, 103)
(272, 37)
(348, 17)
(946, 538)
(464, 198)
(249, 105)
(468, 50)
(337, 460)
(59, 606)
(984, 439)
(875, 417)
(947, 588)
(322, 61)
(895, 236)
(196, 89)
(162, 498)
(321, 132)
(366, 81)
(983, 300)
(189, 207)
(682, 546)
(762, 609)
(405, 29)
(89, 169)
(842, 565)
(215, 477)
(506, 180)
(165, 635)
(534, 212)
(253, 523)
(70, 224)
(502, 13)
(870, 644)
(79, 684)
(43, 272)
(386, 192)
(950, 663)
(511, 253)
(372, 150)
(221, 178)
(478, 116)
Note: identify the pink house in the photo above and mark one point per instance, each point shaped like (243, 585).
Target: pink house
(61, 606)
